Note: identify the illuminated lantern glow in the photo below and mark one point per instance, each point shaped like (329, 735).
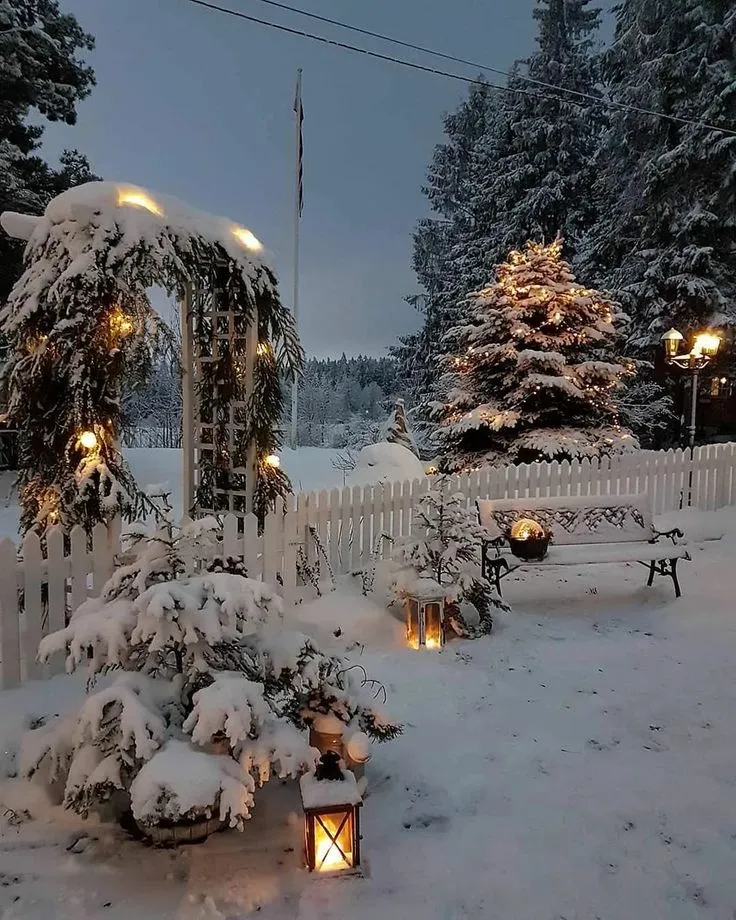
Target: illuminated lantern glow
(248, 239)
(138, 198)
(424, 609)
(707, 343)
(331, 817)
(273, 460)
(88, 440)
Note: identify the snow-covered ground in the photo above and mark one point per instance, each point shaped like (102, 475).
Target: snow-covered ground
(578, 763)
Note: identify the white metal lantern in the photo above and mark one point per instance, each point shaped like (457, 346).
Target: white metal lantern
(425, 614)
(672, 340)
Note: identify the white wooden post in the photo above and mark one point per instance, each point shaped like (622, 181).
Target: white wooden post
(251, 355)
(187, 401)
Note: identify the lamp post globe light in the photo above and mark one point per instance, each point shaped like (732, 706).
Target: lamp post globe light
(704, 348)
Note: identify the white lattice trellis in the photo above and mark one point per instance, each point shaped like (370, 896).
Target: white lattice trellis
(214, 441)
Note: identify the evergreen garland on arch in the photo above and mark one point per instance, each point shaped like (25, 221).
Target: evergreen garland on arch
(79, 321)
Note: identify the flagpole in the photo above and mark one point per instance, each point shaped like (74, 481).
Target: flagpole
(297, 215)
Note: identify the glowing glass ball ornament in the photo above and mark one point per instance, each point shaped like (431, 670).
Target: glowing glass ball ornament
(528, 539)
(273, 460)
(88, 440)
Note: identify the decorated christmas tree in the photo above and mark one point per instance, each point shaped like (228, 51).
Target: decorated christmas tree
(207, 694)
(397, 429)
(530, 377)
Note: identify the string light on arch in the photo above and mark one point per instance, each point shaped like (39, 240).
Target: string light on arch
(138, 198)
(88, 440)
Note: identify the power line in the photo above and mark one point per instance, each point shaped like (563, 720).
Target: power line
(301, 33)
(424, 50)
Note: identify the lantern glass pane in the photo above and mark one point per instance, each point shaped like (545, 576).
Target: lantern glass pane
(412, 623)
(333, 841)
(433, 624)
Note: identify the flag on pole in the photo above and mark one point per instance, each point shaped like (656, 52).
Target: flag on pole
(299, 109)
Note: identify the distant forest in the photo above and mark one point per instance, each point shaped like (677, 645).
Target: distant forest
(342, 403)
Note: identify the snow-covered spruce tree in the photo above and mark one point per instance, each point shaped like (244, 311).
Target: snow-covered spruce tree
(445, 547)
(41, 74)
(528, 379)
(543, 176)
(79, 320)
(449, 187)
(397, 429)
(664, 240)
(205, 696)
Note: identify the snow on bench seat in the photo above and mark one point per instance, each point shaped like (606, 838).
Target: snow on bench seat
(599, 553)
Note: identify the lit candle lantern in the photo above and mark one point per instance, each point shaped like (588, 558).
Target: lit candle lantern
(331, 802)
(425, 614)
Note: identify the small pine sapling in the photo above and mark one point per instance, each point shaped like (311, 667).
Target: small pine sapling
(446, 547)
(207, 694)
(398, 431)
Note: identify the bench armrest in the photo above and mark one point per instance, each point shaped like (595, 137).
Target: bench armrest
(493, 543)
(675, 534)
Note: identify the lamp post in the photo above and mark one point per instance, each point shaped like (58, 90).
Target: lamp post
(704, 348)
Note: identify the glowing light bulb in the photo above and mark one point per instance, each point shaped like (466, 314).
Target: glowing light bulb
(263, 348)
(138, 198)
(707, 344)
(120, 323)
(273, 460)
(88, 440)
(247, 239)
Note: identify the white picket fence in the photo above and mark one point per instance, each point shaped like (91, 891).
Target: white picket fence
(38, 590)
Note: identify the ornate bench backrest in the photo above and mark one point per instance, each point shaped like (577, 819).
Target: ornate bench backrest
(578, 519)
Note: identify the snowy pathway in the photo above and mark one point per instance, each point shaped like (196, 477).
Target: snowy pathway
(580, 763)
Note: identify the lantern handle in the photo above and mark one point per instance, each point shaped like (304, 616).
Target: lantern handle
(366, 681)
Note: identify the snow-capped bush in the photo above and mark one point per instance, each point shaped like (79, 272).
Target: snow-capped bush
(205, 696)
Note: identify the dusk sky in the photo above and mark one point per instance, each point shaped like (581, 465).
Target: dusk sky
(197, 104)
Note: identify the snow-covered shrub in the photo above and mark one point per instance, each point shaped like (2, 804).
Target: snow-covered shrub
(446, 547)
(203, 692)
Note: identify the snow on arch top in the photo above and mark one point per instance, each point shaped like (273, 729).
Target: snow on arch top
(143, 216)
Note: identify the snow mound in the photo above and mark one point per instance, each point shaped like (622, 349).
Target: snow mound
(385, 462)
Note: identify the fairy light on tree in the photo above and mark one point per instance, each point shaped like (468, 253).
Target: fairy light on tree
(530, 377)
